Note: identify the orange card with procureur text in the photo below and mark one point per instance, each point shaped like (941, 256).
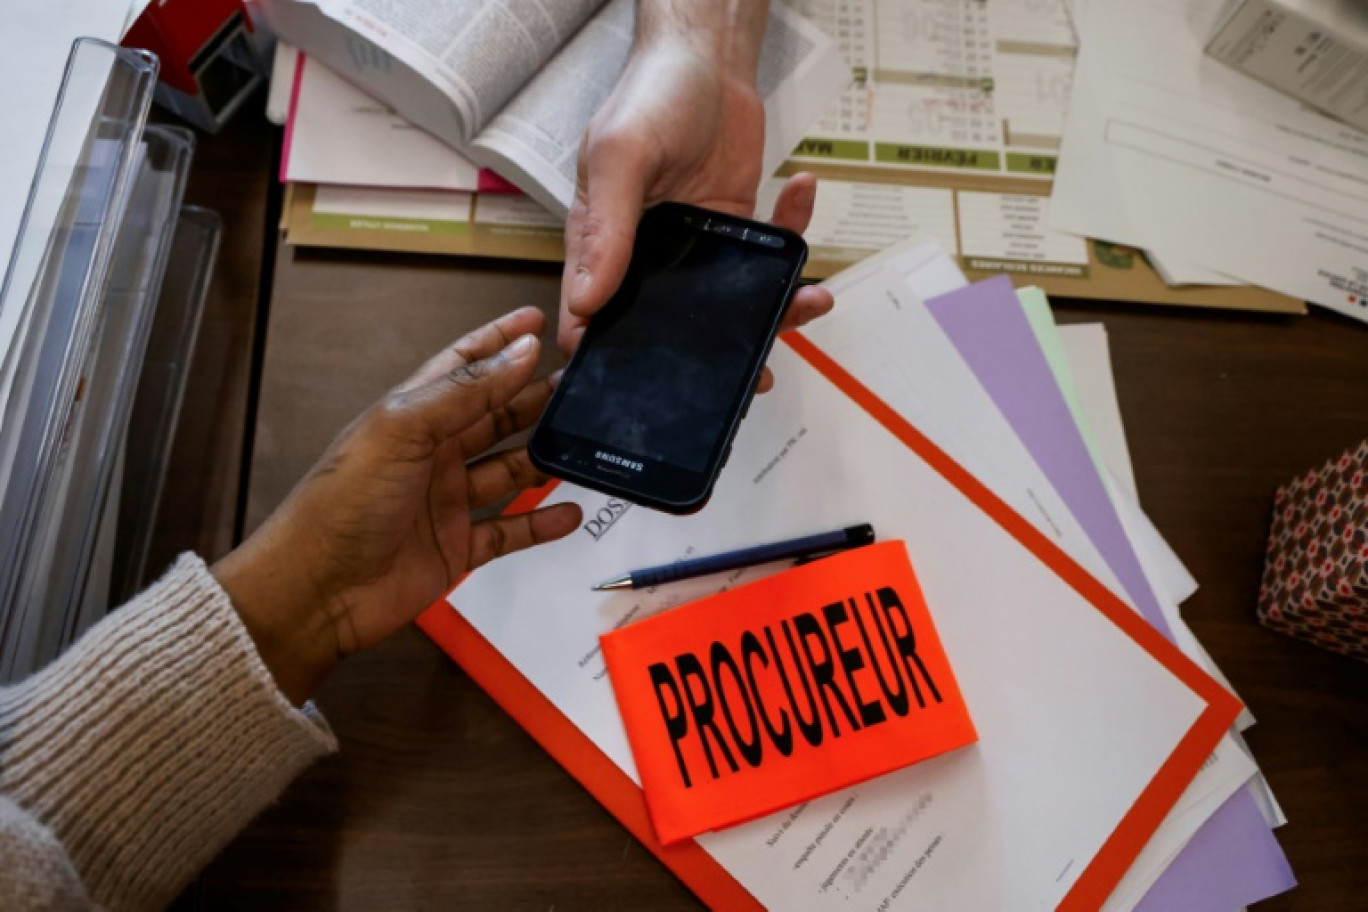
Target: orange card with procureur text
(771, 694)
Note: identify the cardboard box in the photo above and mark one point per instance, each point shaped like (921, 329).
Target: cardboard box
(1314, 50)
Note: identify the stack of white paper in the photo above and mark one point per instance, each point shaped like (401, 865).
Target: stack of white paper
(1220, 176)
(337, 134)
(1239, 861)
(1029, 411)
(1221, 181)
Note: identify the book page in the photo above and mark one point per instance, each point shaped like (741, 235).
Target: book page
(479, 52)
(535, 140)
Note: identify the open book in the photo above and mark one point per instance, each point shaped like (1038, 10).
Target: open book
(513, 83)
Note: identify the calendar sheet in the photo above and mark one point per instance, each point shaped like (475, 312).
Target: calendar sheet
(947, 86)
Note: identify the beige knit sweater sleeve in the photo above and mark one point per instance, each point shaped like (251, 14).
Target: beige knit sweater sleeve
(128, 763)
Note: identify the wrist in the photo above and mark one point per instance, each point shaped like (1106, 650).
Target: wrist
(283, 611)
(702, 46)
(707, 71)
(722, 35)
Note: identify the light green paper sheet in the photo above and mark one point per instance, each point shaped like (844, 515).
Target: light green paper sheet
(1037, 308)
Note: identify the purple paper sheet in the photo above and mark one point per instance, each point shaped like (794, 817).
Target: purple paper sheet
(991, 331)
(1233, 859)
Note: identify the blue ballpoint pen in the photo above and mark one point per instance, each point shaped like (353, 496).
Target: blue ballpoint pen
(810, 546)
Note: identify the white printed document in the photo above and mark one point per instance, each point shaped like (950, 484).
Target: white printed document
(1075, 718)
(1166, 148)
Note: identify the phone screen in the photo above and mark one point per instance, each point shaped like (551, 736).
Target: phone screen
(666, 360)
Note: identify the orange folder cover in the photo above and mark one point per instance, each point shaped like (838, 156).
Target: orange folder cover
(687, 859)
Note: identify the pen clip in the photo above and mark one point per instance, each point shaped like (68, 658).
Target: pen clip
(821, 555)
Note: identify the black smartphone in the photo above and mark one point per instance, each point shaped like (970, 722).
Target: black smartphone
(650, 401)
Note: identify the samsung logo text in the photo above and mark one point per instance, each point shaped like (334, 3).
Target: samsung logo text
(631, 464)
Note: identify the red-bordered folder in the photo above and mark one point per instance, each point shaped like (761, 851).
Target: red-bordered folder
(688, 860)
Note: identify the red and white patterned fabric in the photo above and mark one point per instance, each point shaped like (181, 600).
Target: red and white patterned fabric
(1315, 582)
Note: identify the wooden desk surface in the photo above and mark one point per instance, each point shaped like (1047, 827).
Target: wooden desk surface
(439, 800)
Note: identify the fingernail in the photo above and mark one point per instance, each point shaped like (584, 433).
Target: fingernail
(583, 280)
(520, 348)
